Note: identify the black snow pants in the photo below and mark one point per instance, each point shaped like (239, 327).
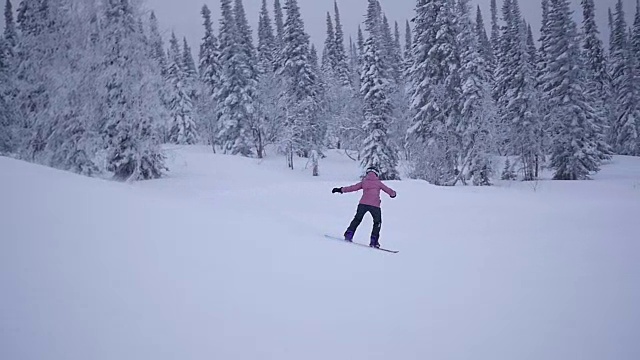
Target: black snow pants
(376, 213)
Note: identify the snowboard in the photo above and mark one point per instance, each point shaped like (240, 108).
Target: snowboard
(358, 244)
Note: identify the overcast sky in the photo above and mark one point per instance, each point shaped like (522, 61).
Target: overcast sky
(183, 16)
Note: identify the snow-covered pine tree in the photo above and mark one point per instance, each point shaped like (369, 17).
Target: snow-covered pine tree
(314, 59)
(208, 64)
(131, 104)
(598, 82)
(635, 66)
(377, 149)
(484, 44)
(48, 47)
(250, 61)
(408, 46)
(235, 102)
(191, 80)
(6, 116)
(340, 54)
(574, 150)
(541, 65)
(337, 94)
(329, 51)
(72, 133)
(34, 53)
(188, 63)
(303, 132)
(360, 41)
(475, 127)
(246, 43)
(532, 51)
(354, 69)
(210, 71)
(434, 92)
(10, 32)
(396, 39)
(266, 42)
(515, 90)
(8, 43)
(611, 32)
(182, 128)
(391, 59)
(625, 132)
(399, 98)
(157, 44)
(269, 88)
(635, 38)
(279, 25)
(495, 31)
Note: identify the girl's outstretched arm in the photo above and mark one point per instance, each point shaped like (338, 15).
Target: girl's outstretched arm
(387, 189)
(352, 188)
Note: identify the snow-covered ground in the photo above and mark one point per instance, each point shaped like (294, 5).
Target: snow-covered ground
(226, 259)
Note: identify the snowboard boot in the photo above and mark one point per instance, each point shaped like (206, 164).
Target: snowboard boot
(374, 242)
(348, 235)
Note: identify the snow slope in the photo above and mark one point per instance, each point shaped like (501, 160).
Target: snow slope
(225, 259)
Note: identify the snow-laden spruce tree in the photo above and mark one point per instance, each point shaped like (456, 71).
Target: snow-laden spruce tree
(10, 31)
(435, 92)
(392, 58)
(314, 60)
(360, 43)
(354, 71)
(188, 62)
(475, 128)
(72, 132)
(49, 116)
(34, 54)
(484, 44)
(235, 95)
(397, 90)
(48, 60)
(6, 115)
(267, 50)
(8, 43)
(625, 132)
(157, 43)
(520, 124)
(340, 54)
(408, 46)
(495, 32)
(303, 131)
(598, 82)
(540, 67)
(210, 70)
(269, 88)
(329, 51)
(246, 43)
(574, 143)
(182, 129)
(376, 149)
(342, 102)
(130, 97)
(250, 59)
(279, 27)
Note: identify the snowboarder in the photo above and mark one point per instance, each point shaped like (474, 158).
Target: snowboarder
(370, 202)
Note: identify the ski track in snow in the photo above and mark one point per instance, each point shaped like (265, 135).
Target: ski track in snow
(226, 259)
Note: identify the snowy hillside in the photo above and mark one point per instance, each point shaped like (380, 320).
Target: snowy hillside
(226, 259)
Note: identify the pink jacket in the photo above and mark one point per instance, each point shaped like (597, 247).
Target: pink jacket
(371, 187)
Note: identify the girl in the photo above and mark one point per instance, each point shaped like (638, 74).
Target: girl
(370, 202)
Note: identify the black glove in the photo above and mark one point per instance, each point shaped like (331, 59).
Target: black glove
(336, 190)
